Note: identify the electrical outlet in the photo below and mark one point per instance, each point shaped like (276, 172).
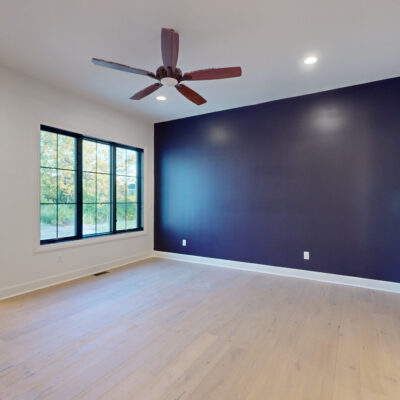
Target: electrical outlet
(183, 242)
(60, 259)
(306, 255)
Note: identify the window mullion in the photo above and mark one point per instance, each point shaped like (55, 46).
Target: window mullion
(79, 190)
(139, 189)
(95, 199)
(57, 187)
(114, 187)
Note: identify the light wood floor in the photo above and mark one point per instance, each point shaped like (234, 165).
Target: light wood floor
(165, 330)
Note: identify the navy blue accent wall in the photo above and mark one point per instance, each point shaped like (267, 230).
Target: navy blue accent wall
(264, 183)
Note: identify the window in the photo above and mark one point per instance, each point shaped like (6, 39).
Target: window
(88, 187)
(96, 187)
(127, 197)
(58, 186)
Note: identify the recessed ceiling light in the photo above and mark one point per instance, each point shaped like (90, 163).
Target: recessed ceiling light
(311, 60)
(161, 98)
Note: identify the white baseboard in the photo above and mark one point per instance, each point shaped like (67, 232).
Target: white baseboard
(26, 287)
(282, 271)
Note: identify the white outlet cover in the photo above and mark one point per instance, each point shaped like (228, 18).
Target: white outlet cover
(183, 242)
(306, 255)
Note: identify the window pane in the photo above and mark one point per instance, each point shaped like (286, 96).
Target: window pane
(66, 186)
(48, 222)
(66, 220)
(48, 149)
(121, 189)
(140, 182)
(121, 217)
(88, 187)
(103, 218)
(89, 219)
(141, 214)
(131, 189)
(131, 216)
(66, 152)
(131, 162)
(121, 161)
(89, 155)
(103, 158)
(48, 185)
(103, 188)
(140, 166)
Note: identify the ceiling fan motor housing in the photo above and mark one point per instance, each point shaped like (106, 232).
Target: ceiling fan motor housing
(169, 77)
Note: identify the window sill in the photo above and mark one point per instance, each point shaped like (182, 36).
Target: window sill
(87, 241)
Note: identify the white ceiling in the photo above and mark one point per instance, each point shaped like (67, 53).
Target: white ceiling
(53, 40)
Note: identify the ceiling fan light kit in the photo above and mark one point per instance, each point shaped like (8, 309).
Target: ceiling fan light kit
(168, 81)
(168, 74)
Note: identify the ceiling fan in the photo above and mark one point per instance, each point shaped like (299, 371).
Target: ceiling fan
(169, 75)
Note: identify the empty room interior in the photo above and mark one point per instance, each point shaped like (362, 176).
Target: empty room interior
(200, 200)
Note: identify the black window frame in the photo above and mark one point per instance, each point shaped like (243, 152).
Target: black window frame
(113, 176)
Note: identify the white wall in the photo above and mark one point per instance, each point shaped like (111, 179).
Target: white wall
(24, 105)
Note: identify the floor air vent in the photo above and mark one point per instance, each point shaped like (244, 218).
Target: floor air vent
(100, 273)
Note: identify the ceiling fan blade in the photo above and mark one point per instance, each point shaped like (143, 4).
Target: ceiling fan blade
(146, 91)
(169, 48)
(212, 73)
(191, 94)
(122, 67)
